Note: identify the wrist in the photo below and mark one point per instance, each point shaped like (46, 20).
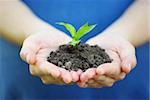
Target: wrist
(49, 32)
(118, 34)
(108, 37)
(35, 28)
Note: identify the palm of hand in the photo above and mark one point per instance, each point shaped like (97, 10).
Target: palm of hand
(35, 51)
(123, 55)
(37, 47)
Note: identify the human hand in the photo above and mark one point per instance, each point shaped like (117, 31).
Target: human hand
(35, 50)
(123, 54)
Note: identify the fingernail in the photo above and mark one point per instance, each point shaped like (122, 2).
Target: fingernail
(128, 67)
(28, 59)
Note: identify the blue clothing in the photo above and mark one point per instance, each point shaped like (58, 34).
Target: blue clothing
(17, 83)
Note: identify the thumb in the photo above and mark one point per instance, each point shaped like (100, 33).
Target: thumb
(29, 50)
(128, 58)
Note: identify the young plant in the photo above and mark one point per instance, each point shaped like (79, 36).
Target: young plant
(76, 35)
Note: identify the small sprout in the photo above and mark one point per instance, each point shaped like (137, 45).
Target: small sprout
(76, 35)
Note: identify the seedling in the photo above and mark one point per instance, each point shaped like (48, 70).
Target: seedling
(76, 35)
(77, 56)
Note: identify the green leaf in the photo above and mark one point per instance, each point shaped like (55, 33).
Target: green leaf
(83, 30)
(69, 27)
(74, 42)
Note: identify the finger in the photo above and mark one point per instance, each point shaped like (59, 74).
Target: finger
(35, 71)
(51, 69)
(79, 72)
(85, 76)
(109, 69)
(44, 68)
(127, 54)
(128, 63)
(43, 54)
(113, 55)
(120, 77)
(29, 50)
(75, 76)
(23, 55)
(30, 58)
(83, 84)
(47, 79)
(93, 84)
(66, 76)
(59, 81)
(88, 74)
(104, 80)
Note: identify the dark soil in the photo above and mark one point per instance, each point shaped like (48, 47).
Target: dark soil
(82, 56)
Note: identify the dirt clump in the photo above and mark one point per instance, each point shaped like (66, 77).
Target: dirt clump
(82, 56)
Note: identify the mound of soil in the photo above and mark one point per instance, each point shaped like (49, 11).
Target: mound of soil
(82, 56)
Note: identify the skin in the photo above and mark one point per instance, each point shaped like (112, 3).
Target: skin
(39, 38)
(119, 40)
(35, 51)
(107, 74)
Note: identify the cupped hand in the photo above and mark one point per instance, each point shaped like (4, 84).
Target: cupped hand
(123, 54)
(35, 50)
